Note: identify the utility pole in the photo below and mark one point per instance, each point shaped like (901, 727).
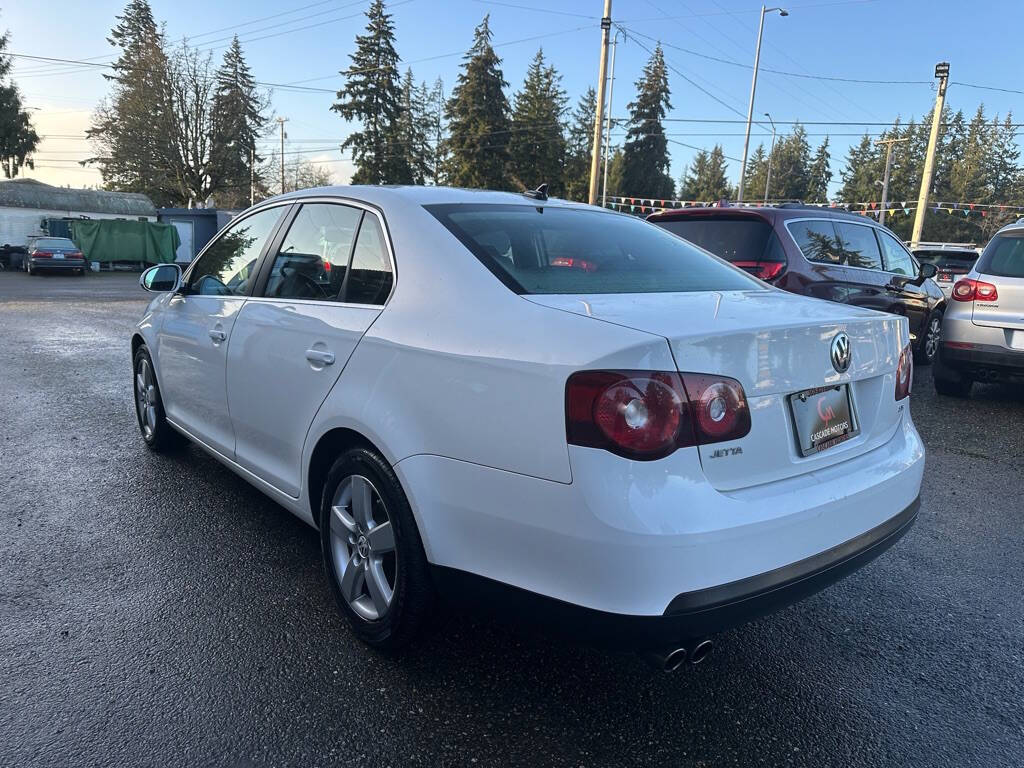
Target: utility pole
(252, 175)
(608, 128)
(885, 178)
(753, 90)
(595, 155)
(768, 178)
(281, 121)
(942, 73)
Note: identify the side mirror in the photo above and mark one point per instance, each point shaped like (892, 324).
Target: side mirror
(162, 278)
(928, 270)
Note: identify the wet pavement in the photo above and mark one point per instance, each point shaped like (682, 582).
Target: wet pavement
(158, 610)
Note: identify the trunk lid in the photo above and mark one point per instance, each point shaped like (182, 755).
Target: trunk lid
(775, 344)
(1007, 311)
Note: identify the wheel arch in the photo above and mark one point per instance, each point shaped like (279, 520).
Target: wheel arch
(329, 446)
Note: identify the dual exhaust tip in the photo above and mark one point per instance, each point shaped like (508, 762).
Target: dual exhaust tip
(673, 659)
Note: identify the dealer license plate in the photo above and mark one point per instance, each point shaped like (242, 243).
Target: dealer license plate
(823, 418)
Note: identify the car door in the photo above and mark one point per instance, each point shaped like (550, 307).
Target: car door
(195, 333)
(863, 261)
(900, 269)
(328, 279)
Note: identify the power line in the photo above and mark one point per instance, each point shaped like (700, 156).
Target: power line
(538, 10)
(985, 87)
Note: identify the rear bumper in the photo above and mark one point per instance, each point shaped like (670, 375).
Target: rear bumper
(690, 614)
(986, 358)
(652, 546)
(57, 263)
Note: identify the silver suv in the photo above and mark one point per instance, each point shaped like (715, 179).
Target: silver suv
(983, 328)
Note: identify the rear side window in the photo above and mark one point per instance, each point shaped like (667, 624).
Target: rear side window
(1004, 256)
(550, 250)
(817, 241)
(369, 279)
(313, 257)
(860, 249)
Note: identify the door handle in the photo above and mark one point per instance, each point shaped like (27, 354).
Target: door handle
(217, 334)
(320, 356)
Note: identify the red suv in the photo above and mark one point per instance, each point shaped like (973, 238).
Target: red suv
(822, 253)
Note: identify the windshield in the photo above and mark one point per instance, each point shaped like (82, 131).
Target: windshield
(1004, 256)
(537, 250)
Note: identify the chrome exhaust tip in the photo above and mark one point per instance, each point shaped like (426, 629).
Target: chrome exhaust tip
(669, 660)
(701, 651)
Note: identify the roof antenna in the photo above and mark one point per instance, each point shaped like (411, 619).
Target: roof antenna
(540, 193)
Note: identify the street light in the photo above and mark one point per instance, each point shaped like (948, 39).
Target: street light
(768, 180)
(753, 89)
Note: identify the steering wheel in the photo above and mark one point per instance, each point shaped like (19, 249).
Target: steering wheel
(317, 288)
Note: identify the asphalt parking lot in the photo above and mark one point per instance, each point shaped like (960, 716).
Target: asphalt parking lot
(159, 610)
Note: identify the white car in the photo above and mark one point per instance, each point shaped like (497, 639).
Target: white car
(482, 393)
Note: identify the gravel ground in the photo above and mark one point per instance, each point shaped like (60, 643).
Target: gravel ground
(160, 611)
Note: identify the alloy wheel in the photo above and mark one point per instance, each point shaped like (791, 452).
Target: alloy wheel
(145, 397)
(363, 548)
(933, 337)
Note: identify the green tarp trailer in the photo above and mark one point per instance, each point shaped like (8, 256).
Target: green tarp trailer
(109, 240)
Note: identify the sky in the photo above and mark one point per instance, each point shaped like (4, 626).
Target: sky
(709, 46)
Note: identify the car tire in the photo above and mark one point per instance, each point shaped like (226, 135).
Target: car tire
(381, 582)
(928, 348)
(149, 406)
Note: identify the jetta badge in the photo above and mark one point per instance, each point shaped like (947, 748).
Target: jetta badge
(841, 352)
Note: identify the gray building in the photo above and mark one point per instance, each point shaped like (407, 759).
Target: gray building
(25, 203)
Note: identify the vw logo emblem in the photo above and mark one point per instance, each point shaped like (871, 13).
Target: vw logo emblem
(841, 352)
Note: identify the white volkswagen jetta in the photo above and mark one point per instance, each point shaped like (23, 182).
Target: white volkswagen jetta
(498, 394)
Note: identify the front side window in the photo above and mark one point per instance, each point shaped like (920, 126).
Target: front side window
(1004, 256)
(313, 257)
(897, 260)
(817, 241)
(860, 249)
(228, 264)
(552, 250)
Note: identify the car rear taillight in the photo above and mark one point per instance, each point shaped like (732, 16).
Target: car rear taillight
(42, 254)
(766, 270)
(74, 254)
(647, 415)
(905, 373)
(974, 290)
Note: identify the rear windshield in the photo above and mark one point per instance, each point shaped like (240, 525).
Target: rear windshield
(538, 250)
(1003, 256)
(52, 242)
(733, 239)
(948, 259)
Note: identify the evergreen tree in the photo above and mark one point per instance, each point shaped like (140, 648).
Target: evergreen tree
(478, 119)
(645, 152)
(578, 148)
(756, 175)
(133, 130)
(372, 95)
(706, 180)
(819, 174)
(790, 166)
(18, 140)
(238, 119)
(413, 127)
(863, 168)
(537, 143)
